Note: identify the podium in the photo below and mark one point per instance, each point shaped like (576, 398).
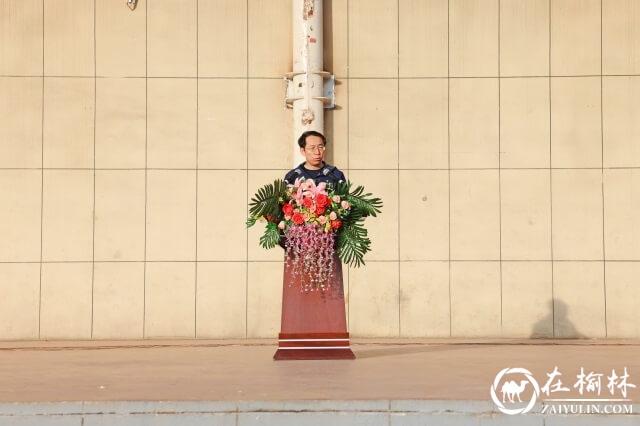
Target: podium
(314, 323)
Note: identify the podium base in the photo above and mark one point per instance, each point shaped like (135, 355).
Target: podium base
(313, 346)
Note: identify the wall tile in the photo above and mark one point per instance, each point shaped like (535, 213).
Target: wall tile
(383, 229)
(577, 214)
(374, 300)
(579, 305)
(270, 146)
(69, 109)
(475, 215)
(118, 300)
(172, 123)
(257, 179)
(19, 301)
(121, 122)
(373, 38)
(69, 38)
(424, 215)
(623, 316)
(424, 123)
(171, 215)
(120, 214)
(620, 37)
(170, 299)
(221, 300)
(20, 47)
(424, 38)
(270, 38)
(67, 215)
(66, 301)
(527, 300)
(222, 207)
(20, 122)
(264, 299)
(575, 37)
(621, 129)
(474, 122)
(525, 214)
(424, 299)
(222, 123)
(524, 37)
(524, 122)
(576, 136)
(121, 34)
(336, 37)
(373, 137)
(172, 53)
(218, 23)
(621, 214)
(475, 299)
(473, 38)
(20, 192)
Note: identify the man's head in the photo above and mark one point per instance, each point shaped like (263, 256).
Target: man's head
(312, 145)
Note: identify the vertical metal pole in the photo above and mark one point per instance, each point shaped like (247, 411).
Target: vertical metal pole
(308, 107)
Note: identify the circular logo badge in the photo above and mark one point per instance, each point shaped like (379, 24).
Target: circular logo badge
(511, 390)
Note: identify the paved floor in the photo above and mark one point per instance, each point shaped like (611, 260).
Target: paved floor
(244, 370)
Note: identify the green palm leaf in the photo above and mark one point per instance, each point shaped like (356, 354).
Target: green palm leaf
(353, 243)
(365, 203)
(271, 236)
(267, 200)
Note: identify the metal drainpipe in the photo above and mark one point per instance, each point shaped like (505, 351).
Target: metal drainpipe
(305, 85)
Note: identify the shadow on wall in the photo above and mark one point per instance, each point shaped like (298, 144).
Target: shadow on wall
(556, 323)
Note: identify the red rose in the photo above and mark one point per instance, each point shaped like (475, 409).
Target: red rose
(307, 202)
(287, 209)
(297, 218)
(322, 201)
(320, 210)
(271, 218)
(335, 224)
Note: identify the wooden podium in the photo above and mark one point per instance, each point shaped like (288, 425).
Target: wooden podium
(314, 323)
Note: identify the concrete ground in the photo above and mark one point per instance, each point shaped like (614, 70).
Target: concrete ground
(197, 370)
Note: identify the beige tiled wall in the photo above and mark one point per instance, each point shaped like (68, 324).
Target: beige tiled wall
(502, 135)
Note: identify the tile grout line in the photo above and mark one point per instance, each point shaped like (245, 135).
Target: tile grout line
(604, 253)
(93, 221)
(449, 156)
(246, 232)
(41, 179)
(146, 165)
(500, 173)
(398, 171)
(195, 296)
(553, 304)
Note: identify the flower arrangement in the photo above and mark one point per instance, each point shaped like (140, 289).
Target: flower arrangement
(313, 223)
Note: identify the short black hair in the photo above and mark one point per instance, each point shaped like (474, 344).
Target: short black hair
(302, 140)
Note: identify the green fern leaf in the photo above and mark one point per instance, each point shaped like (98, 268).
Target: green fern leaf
(267, 199)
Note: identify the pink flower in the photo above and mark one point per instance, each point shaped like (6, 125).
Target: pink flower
(322, 220)
(345, 205)
(333, 216)
(281, 224)
(336, 198)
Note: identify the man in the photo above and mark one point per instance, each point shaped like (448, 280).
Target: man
(312, 146)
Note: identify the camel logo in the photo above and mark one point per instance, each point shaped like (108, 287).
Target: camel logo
(512, 389)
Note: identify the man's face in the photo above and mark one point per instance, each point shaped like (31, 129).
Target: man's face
(313, 152)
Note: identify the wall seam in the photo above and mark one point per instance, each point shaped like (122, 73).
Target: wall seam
(604, 253)
(42, 177)
(449, 156)
(195, 293)
(553, 299)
